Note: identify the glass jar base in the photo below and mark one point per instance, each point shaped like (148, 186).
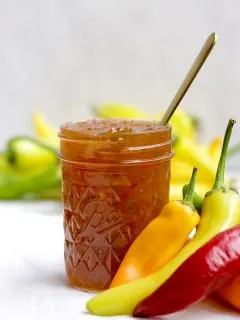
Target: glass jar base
(86, 289)
(74, 284)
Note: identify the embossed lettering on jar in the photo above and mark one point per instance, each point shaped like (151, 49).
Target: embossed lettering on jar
(116, 176)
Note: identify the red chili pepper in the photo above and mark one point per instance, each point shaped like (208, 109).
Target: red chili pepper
(202, 273)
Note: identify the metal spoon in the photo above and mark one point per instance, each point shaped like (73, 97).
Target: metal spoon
(192, 73)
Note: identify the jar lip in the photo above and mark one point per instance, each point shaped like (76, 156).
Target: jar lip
(105, 128)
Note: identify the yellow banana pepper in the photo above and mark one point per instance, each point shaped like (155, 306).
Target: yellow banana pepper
(181, 121)
(161, 240)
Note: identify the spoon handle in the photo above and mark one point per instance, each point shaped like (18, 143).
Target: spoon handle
(192, 73)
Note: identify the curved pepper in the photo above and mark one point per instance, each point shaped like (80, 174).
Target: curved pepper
(205, 271)
(27, 154)
(221, 211)
(181, 120)
(188, 151)
(161, 240)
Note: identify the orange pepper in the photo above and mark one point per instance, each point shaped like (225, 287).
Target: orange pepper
(161, 240)
(230, 292)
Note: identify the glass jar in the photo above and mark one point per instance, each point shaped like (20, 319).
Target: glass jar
(116, 176)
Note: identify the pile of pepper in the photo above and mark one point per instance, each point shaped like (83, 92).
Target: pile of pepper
(177, 269)
(29, 161)
(162, 282)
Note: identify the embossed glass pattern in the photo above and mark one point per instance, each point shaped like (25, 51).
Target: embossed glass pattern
(115, 181)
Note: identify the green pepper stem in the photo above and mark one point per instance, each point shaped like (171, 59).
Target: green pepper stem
(219, 180)
(190, 192)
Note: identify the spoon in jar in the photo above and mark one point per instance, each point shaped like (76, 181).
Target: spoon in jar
(192, 73)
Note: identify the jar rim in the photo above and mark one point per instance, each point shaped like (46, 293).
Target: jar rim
(140, 140)
(115, 127)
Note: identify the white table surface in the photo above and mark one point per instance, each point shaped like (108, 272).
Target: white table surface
(32, 275)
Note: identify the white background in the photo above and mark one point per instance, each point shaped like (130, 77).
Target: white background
(60, 56)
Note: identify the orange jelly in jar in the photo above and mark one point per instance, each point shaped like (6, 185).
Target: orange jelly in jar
(116, 176)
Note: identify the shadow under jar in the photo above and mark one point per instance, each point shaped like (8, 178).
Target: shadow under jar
(116, 176)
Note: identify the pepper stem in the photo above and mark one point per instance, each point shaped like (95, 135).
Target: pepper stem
(219, 180)
(188, 198)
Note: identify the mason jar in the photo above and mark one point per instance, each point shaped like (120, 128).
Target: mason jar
(116, 176)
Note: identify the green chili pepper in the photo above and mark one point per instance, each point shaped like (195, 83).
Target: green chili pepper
(28, 154)
(16, 185)
(29, 169)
